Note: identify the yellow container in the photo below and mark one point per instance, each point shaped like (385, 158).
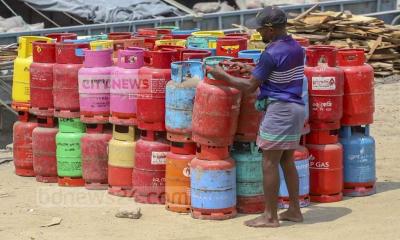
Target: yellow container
(209, 34)
(21, 88)
(121, 148)
(256, 42)
(256, 36)
(173, 42)
(101, 44)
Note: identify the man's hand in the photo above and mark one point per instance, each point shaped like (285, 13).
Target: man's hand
(218, 73)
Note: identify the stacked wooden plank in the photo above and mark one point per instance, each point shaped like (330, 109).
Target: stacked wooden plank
(342, 29)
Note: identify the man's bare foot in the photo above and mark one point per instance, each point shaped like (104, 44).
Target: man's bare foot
(262, 221)
(291, 215)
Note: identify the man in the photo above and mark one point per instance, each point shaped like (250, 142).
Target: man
(279, 75)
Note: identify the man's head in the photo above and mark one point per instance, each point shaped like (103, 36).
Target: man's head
(269, 22)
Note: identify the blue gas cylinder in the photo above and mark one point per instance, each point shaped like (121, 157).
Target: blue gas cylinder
(184, 31)
(179, 99)
(253, 54)
(302, 162)
(359, 161)
(213, 189)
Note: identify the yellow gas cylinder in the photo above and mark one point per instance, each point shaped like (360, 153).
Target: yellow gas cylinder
(121, 148)
(101, 44)
(20, 88)
(256, 42)
(209, 34)
(173, 42)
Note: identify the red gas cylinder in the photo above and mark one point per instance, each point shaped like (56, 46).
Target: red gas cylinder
(153, 31)
(231, 46)
(206, 152)
(323, 136)
(184, 148)
(22, 147)
(122, 44)
(325, 86)
(215, 113)
(244, 35)
(44, 150)
(177, 182)
(304, 42)
(358, 99)
(94, 145)
(41, 78)
(250, 205)
(191, 54)
(119, 35)
(151, 98)
(326, 172)
(65, 82)
(60, 37)
(148, 177)
(249, 117)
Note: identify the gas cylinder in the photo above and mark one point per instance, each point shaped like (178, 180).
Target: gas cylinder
(249, 118)
(202, 42)
(68, 152)
(41, 78)
(61, 37)
(168, 27)
(44, 153)
(94, 86)
(249, 177)
(101, 44)
(183, 33)
(21, 76)
(183, 148)
(125, 87)
(22, 147)
(149, 171)
(243, 35)
(323, 136)
(359, 161)
(121, 159)
(177, 182)
(253, 54)
(256, 42)
(358, 99)
(216, 33)
(151, 35)
(190, 54)
(214, 60)
(171, 42)
(302, 162)
(304, 42)
(326, 172)
(154, 77)
(119, 35)
(213, 189)
(179, 99)
(215, 113)
(231, 46)
(65, 82)
(123, 44)
(95, 156)
(325, 86)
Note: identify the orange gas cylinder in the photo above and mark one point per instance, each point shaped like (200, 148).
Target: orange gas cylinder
(231, 46)
(326, 172)
(65, 81)
(94, 146)
(154, 77)
(41, 78)
(249, 117)
(358, 99)
(22, 147)
(44, 152)
(60, 37)
(325, 86)
(177, 182)
(215, 113)
(148, 177)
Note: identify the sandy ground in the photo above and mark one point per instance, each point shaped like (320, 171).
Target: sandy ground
(25, 205)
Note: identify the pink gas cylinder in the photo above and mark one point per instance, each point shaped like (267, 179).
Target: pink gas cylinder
(148, 177)
(326, 172)
(44, 150)
(358, 99)
(325, 84)
(125, 87)
(41, 78)
(94, 146)
(65, 79)
(94, 86)
(154, 77)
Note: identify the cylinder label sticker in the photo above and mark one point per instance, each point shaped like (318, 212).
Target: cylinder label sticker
(323, 83)
(158, 158)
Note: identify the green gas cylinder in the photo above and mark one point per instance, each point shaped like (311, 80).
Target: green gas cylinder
(249, 174)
